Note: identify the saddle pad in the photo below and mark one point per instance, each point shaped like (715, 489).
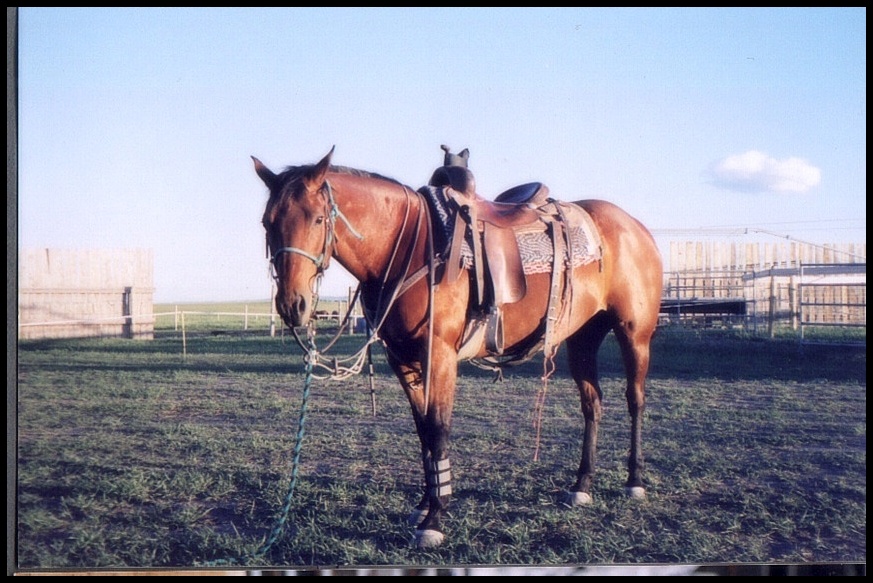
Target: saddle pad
(537, 249)
(445, 217)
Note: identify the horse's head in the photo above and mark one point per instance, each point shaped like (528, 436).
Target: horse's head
(299, 221)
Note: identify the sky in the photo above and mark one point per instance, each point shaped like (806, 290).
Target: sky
(137, 126)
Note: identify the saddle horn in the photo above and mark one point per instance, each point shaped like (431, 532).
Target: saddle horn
(459, 159)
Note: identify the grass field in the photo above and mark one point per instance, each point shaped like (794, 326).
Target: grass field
(132, 454)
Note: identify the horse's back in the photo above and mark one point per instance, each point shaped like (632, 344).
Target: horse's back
(611, 217)
(620, 230)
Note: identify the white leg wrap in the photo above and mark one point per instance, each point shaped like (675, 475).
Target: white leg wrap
(439, 478)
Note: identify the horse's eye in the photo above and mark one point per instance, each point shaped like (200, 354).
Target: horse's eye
(319, 220)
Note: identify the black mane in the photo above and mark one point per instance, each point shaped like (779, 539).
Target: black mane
(291, 174)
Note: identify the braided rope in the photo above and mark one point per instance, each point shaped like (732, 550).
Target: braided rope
(282, 518)
(312, 358)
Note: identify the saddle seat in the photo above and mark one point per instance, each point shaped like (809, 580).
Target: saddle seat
(532, 193)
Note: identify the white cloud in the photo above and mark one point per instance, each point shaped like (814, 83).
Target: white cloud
(755, 171)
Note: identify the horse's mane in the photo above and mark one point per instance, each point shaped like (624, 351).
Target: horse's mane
(362, 173)
(293, 172)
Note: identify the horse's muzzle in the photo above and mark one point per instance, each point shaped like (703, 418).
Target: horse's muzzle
(294, 308)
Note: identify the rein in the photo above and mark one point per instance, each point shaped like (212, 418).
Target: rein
(282, 517)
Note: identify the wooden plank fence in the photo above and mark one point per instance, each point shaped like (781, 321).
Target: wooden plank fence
(67, 293)
(72, 293)
(702, 256)
(785, 284)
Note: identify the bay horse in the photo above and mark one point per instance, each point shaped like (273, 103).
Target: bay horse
(379, 230)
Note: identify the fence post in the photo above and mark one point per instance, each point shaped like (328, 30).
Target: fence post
(127, 328)
(772, 314)
(184, 340)
(352, 319)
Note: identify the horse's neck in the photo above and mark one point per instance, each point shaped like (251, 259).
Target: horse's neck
(385, 215)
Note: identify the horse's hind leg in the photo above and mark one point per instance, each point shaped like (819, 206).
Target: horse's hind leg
(582, 350)
(635, 342)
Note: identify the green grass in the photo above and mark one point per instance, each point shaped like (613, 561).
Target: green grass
(131, 455)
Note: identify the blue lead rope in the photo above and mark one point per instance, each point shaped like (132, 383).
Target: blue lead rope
(276, 532)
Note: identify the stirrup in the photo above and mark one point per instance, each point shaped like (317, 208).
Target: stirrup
(494, 331)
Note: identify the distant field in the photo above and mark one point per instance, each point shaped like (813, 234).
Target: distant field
(132, 454)
(255, 306)
(231, 316)
(228, 316)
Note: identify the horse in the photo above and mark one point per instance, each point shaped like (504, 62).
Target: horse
(382, 233)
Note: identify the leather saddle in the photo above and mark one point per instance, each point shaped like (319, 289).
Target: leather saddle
(489, 228)
(496, 256)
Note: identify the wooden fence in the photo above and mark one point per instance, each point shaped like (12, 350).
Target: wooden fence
(761, 286)
(72, 293)
(698, 256)
(765, 286)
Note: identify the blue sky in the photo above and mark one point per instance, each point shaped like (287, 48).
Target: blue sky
(136, 126)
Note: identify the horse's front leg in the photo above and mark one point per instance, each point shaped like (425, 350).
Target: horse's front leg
(432, 413)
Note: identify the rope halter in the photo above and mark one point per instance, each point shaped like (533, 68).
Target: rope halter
(322, 260)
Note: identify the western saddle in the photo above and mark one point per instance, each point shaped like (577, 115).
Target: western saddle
(482, 235)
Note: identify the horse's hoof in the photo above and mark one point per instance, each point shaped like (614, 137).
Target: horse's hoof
(428, 539)
(578, 499)
(417, 516)
(636, 492)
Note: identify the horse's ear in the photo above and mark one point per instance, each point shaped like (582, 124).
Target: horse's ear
(325, 162)
(319, 172)
(265, 173)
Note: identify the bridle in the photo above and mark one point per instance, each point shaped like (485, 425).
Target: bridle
(322, 260)
(387, 294)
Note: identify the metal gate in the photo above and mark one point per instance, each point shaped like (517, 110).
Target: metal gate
(832, 295)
